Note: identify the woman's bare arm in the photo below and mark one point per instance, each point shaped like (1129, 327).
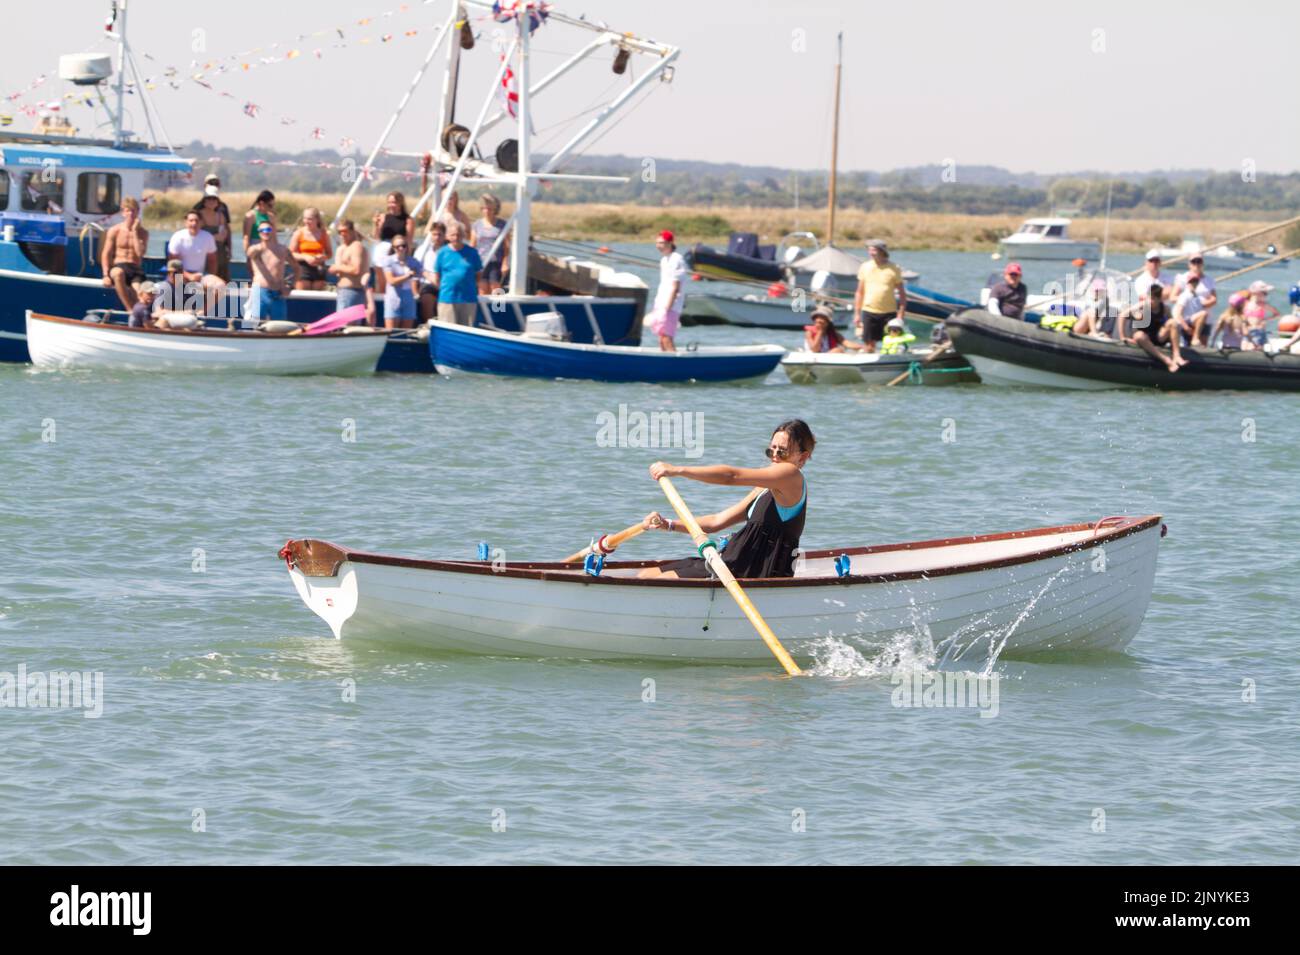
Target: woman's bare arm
(781, 478)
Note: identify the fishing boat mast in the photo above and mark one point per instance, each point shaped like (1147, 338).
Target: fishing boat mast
(457, 154)
(835, 141)
(525, 184)
(117, 24)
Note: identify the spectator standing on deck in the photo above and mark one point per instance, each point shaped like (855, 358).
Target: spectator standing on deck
(670, 298)
(457, 266)
(350, 268)
(484, 236)
(881, 294)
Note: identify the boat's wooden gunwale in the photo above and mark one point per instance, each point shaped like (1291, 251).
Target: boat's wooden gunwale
(325, 558)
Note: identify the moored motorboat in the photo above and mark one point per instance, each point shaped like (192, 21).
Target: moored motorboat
(1020, 593)
(874, 368)
(67, 343)
(535, 355)
(1047, 238)
(1008, 351)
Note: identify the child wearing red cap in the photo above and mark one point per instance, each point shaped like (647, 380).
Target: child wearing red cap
(671, 296)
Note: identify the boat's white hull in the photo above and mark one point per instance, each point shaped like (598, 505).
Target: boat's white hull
(847, 368)
(1091, 598)
(993, 371)
(1049, 250)
(771, 314)
(61, 344)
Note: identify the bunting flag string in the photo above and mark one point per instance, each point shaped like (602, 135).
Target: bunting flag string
(207, 74)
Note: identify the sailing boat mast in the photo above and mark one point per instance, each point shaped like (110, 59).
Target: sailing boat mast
(835, 141)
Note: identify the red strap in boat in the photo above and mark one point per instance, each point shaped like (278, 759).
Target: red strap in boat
(287, 554)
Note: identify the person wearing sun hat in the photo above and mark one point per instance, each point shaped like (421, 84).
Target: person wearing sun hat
(216, 215)
(1258, 313)
(670, 298)
(881, 294)
(1151, 275)
(1205, 290)
(897, 338)
(1008, 296)
(821, 336)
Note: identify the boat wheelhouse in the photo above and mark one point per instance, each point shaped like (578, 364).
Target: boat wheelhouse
(59, 194)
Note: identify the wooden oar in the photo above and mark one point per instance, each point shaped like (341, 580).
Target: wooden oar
(1258, 265)
(1233, 241)
(709, 551)
(606, 544)
(946, 346)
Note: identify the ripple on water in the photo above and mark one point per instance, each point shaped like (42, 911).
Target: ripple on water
(143, 545)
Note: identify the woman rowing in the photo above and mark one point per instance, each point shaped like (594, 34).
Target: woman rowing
(773, 511)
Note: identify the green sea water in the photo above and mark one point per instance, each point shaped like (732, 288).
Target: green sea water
(140, 518)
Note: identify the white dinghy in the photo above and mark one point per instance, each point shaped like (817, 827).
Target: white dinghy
(62, 343)
(925, 366)
(1065, 588)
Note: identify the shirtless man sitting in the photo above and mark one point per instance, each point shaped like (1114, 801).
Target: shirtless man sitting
(122, 261)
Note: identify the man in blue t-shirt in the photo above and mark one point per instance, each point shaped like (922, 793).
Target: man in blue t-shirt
(458, 266)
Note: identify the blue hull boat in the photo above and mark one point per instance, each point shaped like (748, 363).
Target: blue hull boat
(495, 352)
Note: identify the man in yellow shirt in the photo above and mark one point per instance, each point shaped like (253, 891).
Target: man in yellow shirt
(881, 294)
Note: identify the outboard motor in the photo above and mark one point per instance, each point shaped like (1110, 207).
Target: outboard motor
(824, 283)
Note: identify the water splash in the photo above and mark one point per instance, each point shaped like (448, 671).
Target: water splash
(973, 633)
(915, 649)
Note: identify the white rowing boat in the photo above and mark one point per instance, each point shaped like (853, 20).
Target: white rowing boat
(59, 343)
(874, 368)
(1071, 587)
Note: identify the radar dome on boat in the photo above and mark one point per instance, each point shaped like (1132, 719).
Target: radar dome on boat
(85, 69)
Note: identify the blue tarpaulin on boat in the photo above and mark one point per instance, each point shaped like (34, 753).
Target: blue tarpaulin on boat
(91, 157)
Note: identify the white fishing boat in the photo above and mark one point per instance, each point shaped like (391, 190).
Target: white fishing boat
(1049, 589)
(1047, 238)
(921, 366)
(67, 343)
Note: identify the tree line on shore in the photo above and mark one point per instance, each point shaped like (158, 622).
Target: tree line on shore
(946, 188)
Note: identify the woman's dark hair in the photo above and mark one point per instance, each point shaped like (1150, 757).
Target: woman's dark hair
(266, 195)
(799, 433)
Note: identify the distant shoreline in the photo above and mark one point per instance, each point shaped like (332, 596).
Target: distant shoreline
(917, 231)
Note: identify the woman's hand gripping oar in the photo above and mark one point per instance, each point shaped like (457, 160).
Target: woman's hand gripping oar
(709, 551)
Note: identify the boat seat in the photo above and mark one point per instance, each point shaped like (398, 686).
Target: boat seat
(743, 243)
(767, 253)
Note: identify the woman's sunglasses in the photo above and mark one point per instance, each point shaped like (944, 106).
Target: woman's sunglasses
(777, 454)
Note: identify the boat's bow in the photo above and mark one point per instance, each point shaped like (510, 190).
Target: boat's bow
(324, 579)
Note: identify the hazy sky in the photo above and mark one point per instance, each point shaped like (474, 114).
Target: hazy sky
(1027, 85)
